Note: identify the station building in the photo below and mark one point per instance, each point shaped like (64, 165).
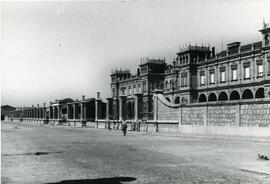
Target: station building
(198, 88)
(196, 75)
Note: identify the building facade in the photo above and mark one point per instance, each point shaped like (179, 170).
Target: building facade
(199, 86)
(133, 94)
(196, 75)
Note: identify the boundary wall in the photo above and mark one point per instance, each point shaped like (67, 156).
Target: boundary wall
(248, 118)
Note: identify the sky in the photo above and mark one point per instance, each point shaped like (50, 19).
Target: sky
(56, 49)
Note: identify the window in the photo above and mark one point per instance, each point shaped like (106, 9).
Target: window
(129, 89)
(222, 76)
(144, 87)
(139, 88)
(123, 91)
(202, 79)
(113, 93)
(184, 80)
(134, 89)
(212, 78)
(260, 70)
(234, 74)
(247, 72)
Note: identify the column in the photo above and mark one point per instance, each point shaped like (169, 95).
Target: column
(122, 101)
(97, 113)
(68, 112)
(53, 112)
(228, 78)
(44, 111)
(58, 112)
(74, 110)
(253, 66)
(34, 113)
(239, 71)
(50, 112)
(206, 76)
(109, 108)
(38, 113)
(155, 105)
(83, 112)
(217, 75)
(138, 99)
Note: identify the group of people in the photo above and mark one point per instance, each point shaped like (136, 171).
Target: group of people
(124, 126)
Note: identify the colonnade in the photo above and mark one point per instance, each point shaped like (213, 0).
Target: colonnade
(137, 106)
(76, 111)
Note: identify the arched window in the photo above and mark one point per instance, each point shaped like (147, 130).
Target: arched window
(259, 93)
(168, 99)
(234, 95)
(223, 96)
(166, 85)
(177, 100)
(247, 94)
(212, 97)
(202, 98)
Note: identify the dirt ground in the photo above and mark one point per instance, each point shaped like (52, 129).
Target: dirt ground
(32, 153)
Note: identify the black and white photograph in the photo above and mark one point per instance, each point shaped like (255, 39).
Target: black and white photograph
(135, 92)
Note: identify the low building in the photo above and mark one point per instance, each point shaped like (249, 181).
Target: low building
(6, 111)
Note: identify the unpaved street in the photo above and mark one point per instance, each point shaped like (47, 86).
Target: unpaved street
(32, 153)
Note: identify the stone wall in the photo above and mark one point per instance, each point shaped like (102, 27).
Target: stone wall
(221, 115)
(244, 117)
(257, 115)
(167, 113)
(192, 115)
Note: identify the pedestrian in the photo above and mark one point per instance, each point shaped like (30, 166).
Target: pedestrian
(109, 125)
(124, 127)
(138, 125)
(114, 124)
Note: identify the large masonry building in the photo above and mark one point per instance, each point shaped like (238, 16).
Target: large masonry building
(196, 75)
(200, 91)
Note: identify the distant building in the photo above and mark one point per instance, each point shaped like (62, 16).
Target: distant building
(6, 111)
(196, 75)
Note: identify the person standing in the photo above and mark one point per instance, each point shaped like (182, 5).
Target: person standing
(124, 127)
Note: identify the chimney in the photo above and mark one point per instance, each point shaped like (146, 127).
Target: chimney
(213, 52)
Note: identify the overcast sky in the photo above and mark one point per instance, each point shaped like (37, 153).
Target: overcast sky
(53, 50)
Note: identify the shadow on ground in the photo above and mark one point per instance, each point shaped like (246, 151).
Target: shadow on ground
(115, 180)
